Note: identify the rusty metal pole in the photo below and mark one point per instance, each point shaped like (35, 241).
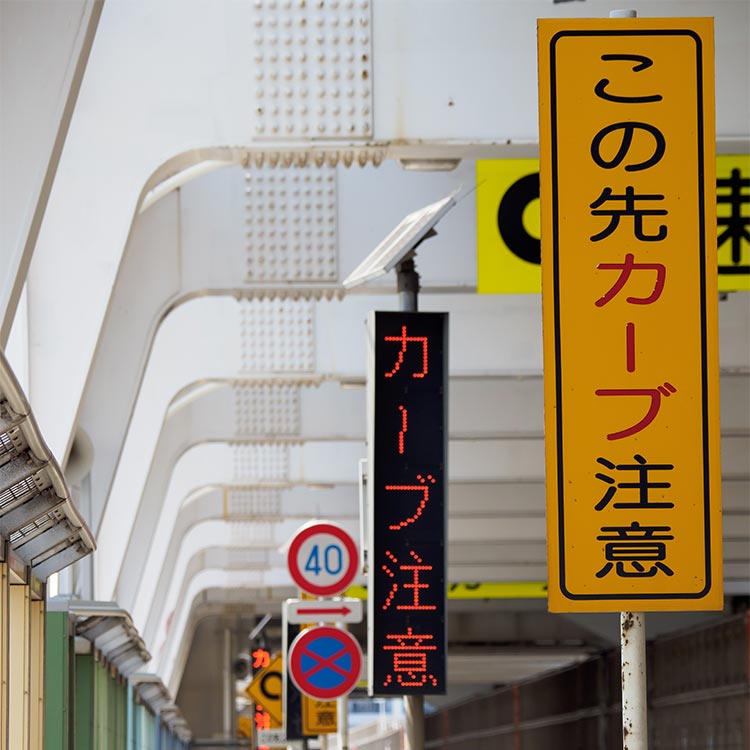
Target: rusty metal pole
(633, 661)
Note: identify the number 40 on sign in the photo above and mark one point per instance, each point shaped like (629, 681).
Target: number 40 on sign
(322, 559)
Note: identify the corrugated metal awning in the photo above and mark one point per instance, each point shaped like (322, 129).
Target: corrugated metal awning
(37, 515)
(154, 693)
(111, 631)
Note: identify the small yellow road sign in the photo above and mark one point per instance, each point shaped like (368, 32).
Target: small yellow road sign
(265, 690)
(318, 717)
(245, 727)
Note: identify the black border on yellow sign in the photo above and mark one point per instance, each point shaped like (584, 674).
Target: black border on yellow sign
(556, 303)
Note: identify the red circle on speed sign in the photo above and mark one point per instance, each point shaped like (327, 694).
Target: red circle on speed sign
(322, 559)
(325, 662)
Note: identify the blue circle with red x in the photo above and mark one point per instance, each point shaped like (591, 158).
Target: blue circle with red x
(325, 662)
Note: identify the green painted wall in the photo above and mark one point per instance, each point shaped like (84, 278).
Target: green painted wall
(57, 679)
(84, 703)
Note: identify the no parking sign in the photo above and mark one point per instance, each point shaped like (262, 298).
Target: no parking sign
(325, 662)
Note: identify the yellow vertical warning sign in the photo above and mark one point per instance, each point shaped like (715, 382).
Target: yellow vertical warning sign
(630, 314)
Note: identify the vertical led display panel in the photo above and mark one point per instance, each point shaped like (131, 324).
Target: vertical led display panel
(407, 404)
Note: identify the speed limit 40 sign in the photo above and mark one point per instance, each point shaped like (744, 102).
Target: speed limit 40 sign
(322, 559)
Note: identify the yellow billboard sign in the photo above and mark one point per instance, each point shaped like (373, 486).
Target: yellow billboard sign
(508, 245)
(733, 219)
(508, 232)
(630, 314)
(496, 590)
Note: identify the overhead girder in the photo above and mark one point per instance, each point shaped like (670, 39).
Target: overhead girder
(246, 587)
(205, 391)
(171, 257)
(210, 337)
(202, 338)
(246, 504)
(496, 529)
(493, 547)
(470, 502)
(481, 555)
(492, 461)
(37, 109)
(154, 112)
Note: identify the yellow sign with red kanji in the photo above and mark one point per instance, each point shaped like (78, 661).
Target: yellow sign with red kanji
(318, 717)
(630, 314)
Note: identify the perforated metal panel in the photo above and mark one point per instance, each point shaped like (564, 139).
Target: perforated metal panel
(261, 462)
(23, 490)
(31, 530)
(277, 335)
(291, 224)
(242, 558)
(253, 503)
(267, 409)
(312, 68)
(251, 533)
(12, 440)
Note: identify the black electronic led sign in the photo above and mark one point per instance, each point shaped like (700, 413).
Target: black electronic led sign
(406, 601)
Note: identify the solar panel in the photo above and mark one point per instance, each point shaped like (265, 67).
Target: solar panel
(404, 238)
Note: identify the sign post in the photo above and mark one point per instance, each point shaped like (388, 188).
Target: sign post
(630, 324)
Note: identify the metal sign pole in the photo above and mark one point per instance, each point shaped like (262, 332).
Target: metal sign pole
(408, 283)
(414, 709)
(342, 711)
(633, 662)
(408, 288)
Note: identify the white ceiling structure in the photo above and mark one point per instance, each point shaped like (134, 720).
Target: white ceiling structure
(185, 340)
